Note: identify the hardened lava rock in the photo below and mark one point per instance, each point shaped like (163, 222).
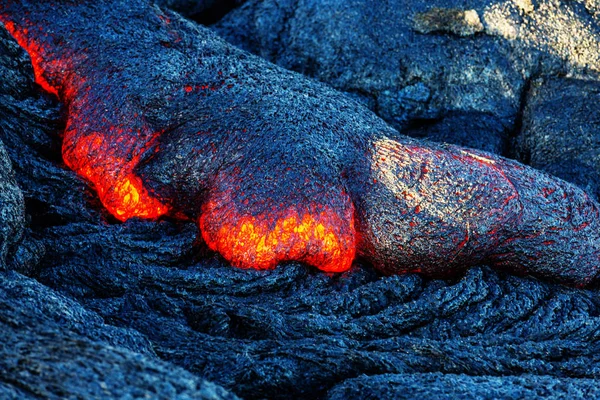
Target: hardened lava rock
(560, 130)
(450, 387)
(53, 348)
(12, 209)
(424, 62)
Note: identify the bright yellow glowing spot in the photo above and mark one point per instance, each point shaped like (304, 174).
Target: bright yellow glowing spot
(129, 195)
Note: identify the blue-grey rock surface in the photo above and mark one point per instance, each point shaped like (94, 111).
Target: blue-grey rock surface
(12, 209)
(52, 346)
(135, 309)
(451, 387)
(560, 129)
(427, 61)
(12, 206)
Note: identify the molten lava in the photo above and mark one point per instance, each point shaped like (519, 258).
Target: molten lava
(120, 190)
(92, 155)
(321, 239)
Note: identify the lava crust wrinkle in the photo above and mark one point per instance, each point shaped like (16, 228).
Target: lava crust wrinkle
(164, 117)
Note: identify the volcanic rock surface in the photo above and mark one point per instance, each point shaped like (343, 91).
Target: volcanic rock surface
(563, 140)
(12, 209)
(51, 345)
(136, 309)
(425, 62)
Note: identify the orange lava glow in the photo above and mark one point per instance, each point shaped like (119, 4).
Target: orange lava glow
(35, 53)
(107, 153)
(312, 238)
(119, 189)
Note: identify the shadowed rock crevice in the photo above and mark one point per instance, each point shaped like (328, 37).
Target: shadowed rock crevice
(512, 150)
(205, 12)
(560, 130)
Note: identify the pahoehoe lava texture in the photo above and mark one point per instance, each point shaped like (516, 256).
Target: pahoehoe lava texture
(12, 209)
(112, 291)
(166, 118)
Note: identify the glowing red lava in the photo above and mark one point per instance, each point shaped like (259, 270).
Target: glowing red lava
(321, 239)
(283, 169)
(92, 156)
(120, 190)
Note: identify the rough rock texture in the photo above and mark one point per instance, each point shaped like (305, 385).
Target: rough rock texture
(560, 130)
(287, 333)
(12, 209)
(51, 346)
(450, 387)
(381, 54)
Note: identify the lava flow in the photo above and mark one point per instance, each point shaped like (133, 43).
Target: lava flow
(164, 117)
(104, 158)
(120, 190)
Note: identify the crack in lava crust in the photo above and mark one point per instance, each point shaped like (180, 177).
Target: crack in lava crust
(166, 118)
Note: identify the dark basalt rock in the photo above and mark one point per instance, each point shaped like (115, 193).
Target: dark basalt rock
(451, 387)
(12, 209)
(51, 346)
(115, 296)
(29, 128)
(425, 60)
(560, 130)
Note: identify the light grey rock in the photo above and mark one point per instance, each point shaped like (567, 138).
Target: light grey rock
(561, 130)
